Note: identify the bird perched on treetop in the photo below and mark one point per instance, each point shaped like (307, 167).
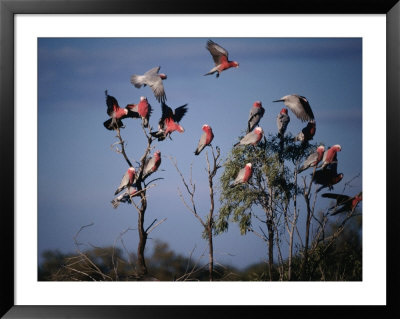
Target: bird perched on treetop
(220, 57)
(330, 156)
(127, 180)
(347, 203)
(251, 138)
(243, 176)
(256, 113)
(313, 159)
(327, 177)
(152, 79)
(169, 121)
(115, 112)
(141, 110)
(299, 106)
(125, 197)
(151, 164)
(205, 139)
(282, 122)
(306, 133)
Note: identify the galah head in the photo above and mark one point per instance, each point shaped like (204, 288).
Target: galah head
(284, 111)
(163, 76)
(235, 64)
(126, 111)
(257, 104)
(320, 149)
(143, 98)
(131, 170)
(157, 154)
(258, 130)
(206, 127)
(248, 165)
(338, 147)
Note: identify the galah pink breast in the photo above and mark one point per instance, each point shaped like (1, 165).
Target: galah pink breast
(243, 176)
(141, 110)
(115, 112)
(127, 180)
(330, 156)
(313, 159)
(205, 139)
(220, 57)
(151, 164)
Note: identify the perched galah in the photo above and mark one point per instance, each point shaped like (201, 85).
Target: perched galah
(127, 180)
(220, 57)
(151, 164)
(330, 156)
(344, 203)
(169, 121)
(141, 110)
(243, 176)
(327, 177)
(313, 159)
(125, 197)
(115, 112)
(152, 79)
(256, 113)
(251, 138)
(299, 106)
(282, 122)
(307, 133)
(205, 139)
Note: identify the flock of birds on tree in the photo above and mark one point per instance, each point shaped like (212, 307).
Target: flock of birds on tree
(326, 176)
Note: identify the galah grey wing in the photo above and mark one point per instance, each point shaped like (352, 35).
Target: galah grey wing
(155, 82)
(202, 144)
(148, 165)
(216, 51)
(152, 72)
(249, 138)
(240, 176)
(124, 183)
(307, 163)
(256, 113)
(282, 122)
(300, 107)
(179, 113)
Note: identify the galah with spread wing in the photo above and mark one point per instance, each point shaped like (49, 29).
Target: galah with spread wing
(243, 176)
(251, 138)
(299, 105)
(169, 121)
(344, 203)
(141, 110)
(127, 180)
(151, 164)
(306, 133)
(282, 122)
(256, 113)
(115, 112)
(313, 159)
(125, 197)
(330, 156)
(205, 139)
(154, 80)
(220, 57)
(327, 177)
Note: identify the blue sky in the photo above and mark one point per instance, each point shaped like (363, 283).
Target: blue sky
(78, 171)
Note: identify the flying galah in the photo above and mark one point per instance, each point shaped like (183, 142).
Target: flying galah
(282, 122)
(169, 121)
(330, 155)
(251, 138)
(243, 176)
(141, 110)
(152, 79)
(347, 203)
(115, 112)
(125, 197)
(256, 113)
(220, 57)
(327, 177)
(127, 180)
(151, 164)
(313, 159)
(307, 133)
(205, 139)
(299, 106)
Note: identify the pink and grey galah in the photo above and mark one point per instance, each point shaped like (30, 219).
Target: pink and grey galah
(153, 80)
(115, 112)
(313, 159)
(125, 197)
(127, 180)
(169, 121)
(141, 110)
(307, 133)
(344, 203)
(243, 176)
(327, 177)
(299, 105)
(256, 113)
(282, 121)
(330, 156)
(205, 139)
(220, 57)
(252, 137)
(151, 164)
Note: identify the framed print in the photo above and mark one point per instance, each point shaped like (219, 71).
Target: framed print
(68, 139)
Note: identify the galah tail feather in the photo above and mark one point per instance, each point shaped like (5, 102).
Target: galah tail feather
(243, 176)
(251, 138)
(299, 105)
(205, 139)
(125, 197)
(127, 180)
(344, 203)
(220, 57)
(313, 159)
(256, 113)
(153, 80)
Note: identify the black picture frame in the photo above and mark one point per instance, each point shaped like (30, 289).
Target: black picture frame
(8, 9)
